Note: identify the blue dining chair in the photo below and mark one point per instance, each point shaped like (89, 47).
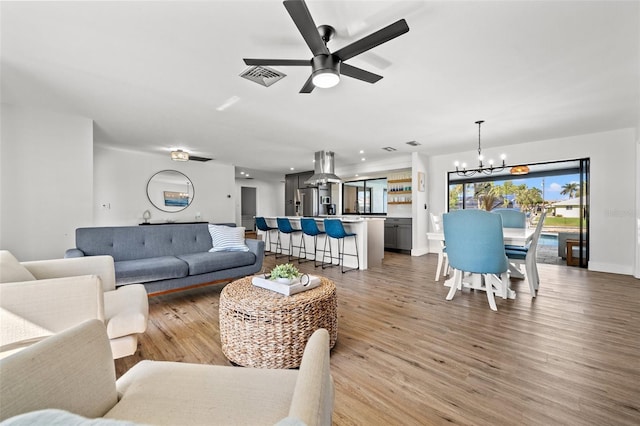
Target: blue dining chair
(310, 228)
(512, 218)
(335, 229)
(475, 244)
(519, 256)
(263, 226)
(284, 227)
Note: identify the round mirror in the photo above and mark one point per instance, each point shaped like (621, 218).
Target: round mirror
(170, 191)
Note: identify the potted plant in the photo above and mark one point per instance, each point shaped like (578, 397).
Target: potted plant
(285, 273)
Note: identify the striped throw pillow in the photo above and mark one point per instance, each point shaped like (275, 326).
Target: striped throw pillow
(227, 238)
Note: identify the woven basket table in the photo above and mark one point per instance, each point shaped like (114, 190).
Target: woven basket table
(264, 329)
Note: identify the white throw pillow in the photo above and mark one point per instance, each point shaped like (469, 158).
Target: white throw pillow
(227, 238)
(11, 271)
(53, 416)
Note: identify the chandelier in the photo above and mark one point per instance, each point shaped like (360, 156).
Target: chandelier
(461, 169)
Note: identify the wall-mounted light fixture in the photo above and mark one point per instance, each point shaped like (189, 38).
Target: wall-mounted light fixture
(179, 155)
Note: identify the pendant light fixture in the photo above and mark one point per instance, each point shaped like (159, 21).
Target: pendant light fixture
(461, 169)
(519, 170)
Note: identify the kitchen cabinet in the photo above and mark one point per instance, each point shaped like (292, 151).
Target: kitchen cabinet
(397, 233)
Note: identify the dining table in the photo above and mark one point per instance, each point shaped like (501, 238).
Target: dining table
(511, 236)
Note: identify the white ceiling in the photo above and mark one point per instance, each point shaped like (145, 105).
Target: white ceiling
(152, 74)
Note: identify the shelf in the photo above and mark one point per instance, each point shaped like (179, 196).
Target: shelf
(399, 202)
(398, 192)
(398, 180)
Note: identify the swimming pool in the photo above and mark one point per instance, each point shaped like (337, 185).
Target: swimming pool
(548, 240)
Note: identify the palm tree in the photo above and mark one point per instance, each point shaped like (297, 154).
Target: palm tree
(570, 189)
(489, 196)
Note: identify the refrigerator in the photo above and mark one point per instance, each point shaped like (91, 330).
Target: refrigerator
(307, 202)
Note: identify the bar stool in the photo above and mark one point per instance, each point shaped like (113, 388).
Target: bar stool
(335, 229)
(262, 225)
(310, 227)
(284, 227)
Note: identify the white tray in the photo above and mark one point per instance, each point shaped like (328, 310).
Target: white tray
(286, 289)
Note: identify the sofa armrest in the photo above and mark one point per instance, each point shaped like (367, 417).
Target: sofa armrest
(256, 247)
(74, 252)
(313, 395)
(53, 305)
(71, 371)
(101, 266)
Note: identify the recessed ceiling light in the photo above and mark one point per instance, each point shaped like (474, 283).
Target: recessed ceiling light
(292, 168)
(363, 159)
(362, 151)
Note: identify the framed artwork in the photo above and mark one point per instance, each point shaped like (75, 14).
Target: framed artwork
(421, 182)
(176, 199)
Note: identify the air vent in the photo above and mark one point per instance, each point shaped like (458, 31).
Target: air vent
(196, 158)
(389, 149)
(413, 143)
(264, 76)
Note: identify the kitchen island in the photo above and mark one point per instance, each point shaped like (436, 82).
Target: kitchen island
(369, 231)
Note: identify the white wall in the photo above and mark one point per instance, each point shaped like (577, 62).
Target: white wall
(419, 206)
(613, 188)
(46, 181)
(121, 178)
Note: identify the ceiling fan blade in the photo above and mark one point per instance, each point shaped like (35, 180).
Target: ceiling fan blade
(308, 86)
(359, 73)
(285, 62)
(372, 40)
(302, 18)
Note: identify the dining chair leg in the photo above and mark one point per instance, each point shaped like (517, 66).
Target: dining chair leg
(531, 275)
(439, 267)
(488, 286)
(456, 284)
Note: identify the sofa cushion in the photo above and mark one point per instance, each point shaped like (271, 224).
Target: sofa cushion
(225, 238)
(151, 269)
(177, 393)
(202, 263)
(11, 271)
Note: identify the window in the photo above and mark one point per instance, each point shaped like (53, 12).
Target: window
(364, 197)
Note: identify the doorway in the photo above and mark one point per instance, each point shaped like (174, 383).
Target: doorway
(248, 207)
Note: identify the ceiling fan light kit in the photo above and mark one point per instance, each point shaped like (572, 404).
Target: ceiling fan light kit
(326, 66)
(326, 71)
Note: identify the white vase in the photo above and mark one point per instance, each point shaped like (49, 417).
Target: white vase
(284, 280)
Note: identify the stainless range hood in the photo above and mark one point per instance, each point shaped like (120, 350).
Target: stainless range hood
(324, 170)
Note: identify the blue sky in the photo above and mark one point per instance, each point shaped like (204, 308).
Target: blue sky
(552, 185)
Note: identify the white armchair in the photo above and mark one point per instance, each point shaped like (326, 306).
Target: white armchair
(41, 298)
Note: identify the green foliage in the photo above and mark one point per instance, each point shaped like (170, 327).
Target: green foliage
(286, 270)
(570, 189)
(454, 194)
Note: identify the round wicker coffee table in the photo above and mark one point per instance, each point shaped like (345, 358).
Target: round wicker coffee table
(265, 329)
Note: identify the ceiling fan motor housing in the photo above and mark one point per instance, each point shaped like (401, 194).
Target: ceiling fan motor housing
(324, 63)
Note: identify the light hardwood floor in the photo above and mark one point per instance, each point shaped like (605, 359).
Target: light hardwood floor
(406, 356)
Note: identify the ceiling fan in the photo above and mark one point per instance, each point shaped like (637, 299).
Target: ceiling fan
(326, 67)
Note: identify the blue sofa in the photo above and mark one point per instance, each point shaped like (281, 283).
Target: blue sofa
(166, 257)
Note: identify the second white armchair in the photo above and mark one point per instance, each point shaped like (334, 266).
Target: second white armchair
(41, 298)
